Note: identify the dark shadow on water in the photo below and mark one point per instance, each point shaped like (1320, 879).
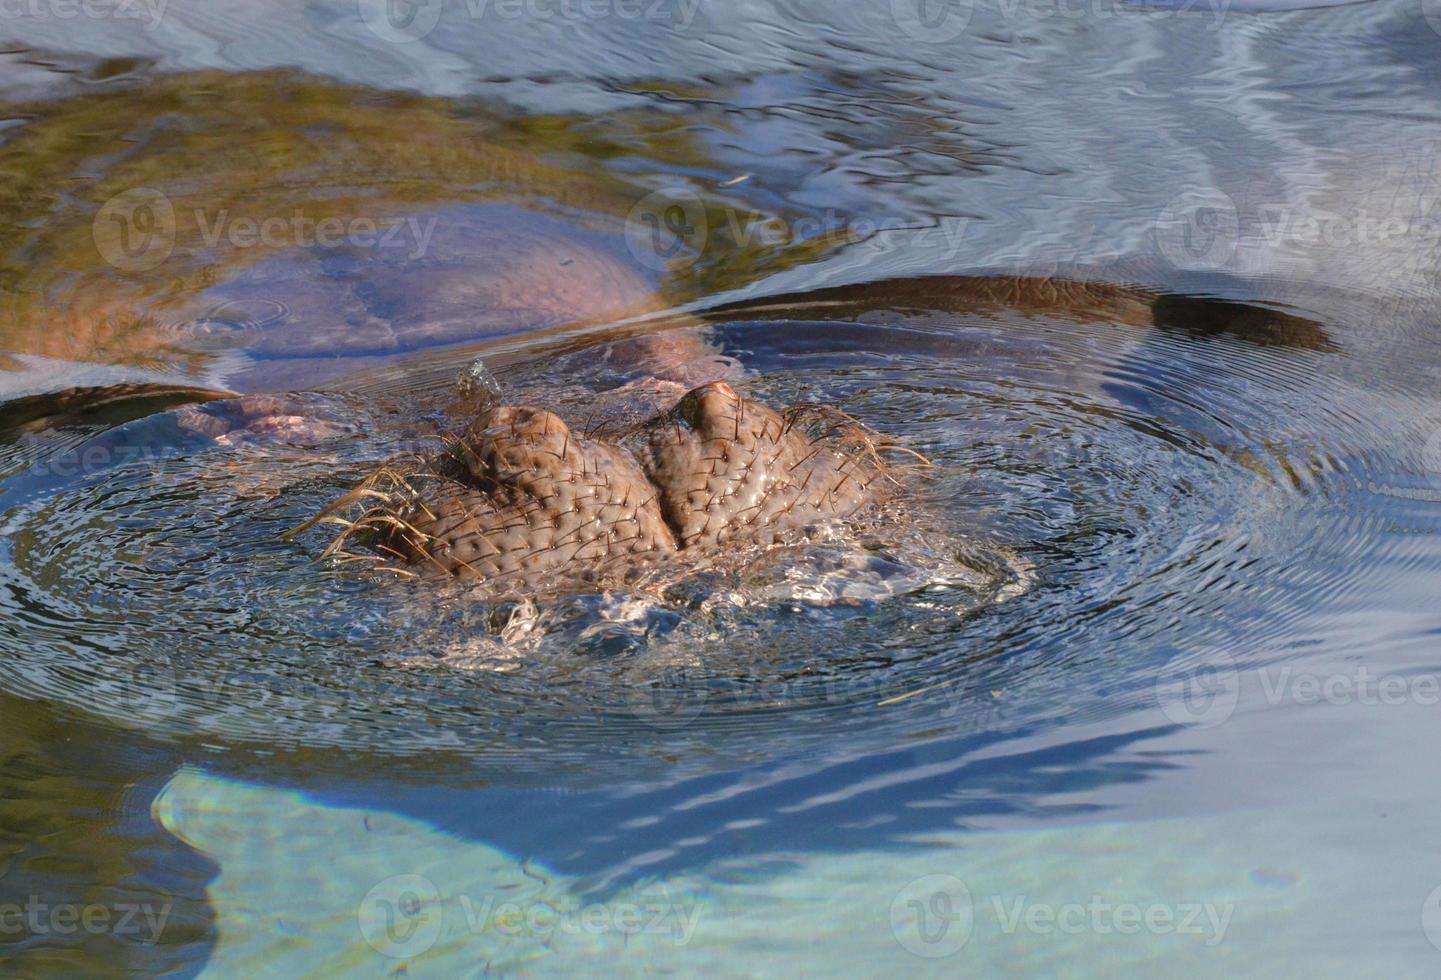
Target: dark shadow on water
(614, 836)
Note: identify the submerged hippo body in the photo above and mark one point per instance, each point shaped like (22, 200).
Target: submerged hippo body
(523, 501)
(529, 498)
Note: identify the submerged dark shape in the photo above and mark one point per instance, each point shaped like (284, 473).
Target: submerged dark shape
(1126, 295)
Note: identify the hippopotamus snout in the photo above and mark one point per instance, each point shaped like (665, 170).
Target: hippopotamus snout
(527, 502)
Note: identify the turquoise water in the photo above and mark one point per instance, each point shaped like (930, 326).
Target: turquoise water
(1196, 744)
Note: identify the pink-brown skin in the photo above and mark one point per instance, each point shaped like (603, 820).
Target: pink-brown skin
(529, 505)
(294, 417)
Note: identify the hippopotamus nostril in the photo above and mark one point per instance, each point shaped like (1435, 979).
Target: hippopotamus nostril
(711, 401)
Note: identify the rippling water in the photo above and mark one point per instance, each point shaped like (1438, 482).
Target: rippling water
(1152, 288)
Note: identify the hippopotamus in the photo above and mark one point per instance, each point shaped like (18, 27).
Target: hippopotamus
(535, 497)
(532, 497)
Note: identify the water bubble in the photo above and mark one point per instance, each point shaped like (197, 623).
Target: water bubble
(479, 391)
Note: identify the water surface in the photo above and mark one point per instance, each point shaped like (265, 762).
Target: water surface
(1221, 458)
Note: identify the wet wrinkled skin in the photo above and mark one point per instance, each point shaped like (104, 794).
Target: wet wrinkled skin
(295, 417)
(526, 504)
